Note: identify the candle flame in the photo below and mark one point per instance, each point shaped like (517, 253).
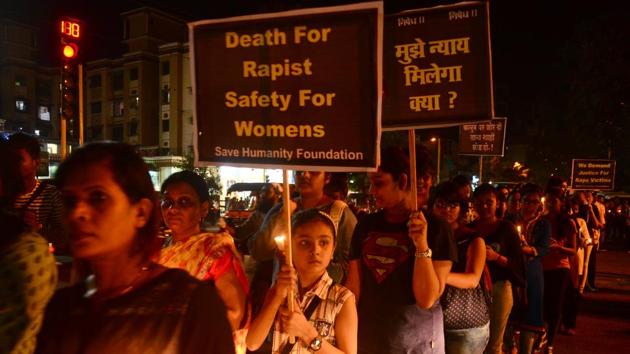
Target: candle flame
(280, 241)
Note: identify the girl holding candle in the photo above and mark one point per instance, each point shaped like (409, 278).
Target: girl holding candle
(324, 319)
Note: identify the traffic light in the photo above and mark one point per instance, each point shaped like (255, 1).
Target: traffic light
(68, 96)
(70, 31)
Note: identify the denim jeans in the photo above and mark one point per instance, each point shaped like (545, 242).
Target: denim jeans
(467, 341)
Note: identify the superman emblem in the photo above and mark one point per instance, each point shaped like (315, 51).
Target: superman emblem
(384, 252)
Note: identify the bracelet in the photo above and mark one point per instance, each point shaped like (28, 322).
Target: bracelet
(424, 254)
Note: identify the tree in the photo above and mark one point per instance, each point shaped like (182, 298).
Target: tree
(209, 174)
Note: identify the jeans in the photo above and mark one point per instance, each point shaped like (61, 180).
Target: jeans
(467, 341)
(502, 302)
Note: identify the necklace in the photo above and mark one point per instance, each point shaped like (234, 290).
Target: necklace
(93, 292)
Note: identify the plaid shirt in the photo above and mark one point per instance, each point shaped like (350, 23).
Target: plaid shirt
(332, 296)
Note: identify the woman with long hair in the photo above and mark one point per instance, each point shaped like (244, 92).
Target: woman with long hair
(129, 304)
(466, 299)
(504, 259)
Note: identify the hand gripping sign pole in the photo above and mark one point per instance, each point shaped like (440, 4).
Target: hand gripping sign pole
(413, 178)
(284, 241)
(286, 195)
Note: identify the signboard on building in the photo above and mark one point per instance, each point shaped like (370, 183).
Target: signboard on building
(593, 174)
(297, 89)
(437, 67)
(486, 138)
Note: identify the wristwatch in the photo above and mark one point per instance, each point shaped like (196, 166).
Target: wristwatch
(426, 254)
(316, 344)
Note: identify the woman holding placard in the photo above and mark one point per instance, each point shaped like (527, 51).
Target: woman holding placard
(399, 263)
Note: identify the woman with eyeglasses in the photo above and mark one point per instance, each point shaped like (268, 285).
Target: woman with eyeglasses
(129, 304)
(504, 259)
(535, 232)
(206, 256)
(466, 299)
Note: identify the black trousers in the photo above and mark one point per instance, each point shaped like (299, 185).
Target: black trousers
(592, 263)
(556, 281)
(571, 306)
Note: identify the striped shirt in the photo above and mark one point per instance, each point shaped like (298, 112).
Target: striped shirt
(48, 209)
(332, 296)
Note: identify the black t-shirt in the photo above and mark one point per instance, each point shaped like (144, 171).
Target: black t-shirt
(389, 319)
(173, 313)
(506, 241)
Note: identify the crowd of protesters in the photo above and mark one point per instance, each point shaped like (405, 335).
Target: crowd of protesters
(450, 269)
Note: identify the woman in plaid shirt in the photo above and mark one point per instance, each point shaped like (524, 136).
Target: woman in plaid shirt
(325, 316)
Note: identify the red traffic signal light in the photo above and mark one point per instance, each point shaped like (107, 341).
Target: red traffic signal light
(70, 50)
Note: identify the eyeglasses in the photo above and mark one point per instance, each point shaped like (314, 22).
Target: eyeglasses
(446, 205)
(181, 203)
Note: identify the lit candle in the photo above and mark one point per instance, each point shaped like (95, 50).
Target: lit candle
(542, 200)
(280, 242)
(518, 228)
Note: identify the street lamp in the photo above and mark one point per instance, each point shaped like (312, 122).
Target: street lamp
(439, 157)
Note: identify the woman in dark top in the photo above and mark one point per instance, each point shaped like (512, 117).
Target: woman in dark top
(535, 233)
(130, 304)
(504, 259)
(466, 298)
(399, 263)
(556, 262)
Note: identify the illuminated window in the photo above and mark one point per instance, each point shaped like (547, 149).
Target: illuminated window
(21, 105)
(166, 95)
(44, 113)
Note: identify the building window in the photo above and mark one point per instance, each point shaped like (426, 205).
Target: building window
(95, 107)
(166, 68)
(44, 113)
(21, 105)
(133, 128)
(117, 80)
(133, 74)
(20, 81)
(118, 107)
(166, 95)
(166, 125)
(97, 132)
(117, 132)
(95, 81)
(134, 102)
(43, 88)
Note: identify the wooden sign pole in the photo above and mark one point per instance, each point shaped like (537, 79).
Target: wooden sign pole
(413, 179)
